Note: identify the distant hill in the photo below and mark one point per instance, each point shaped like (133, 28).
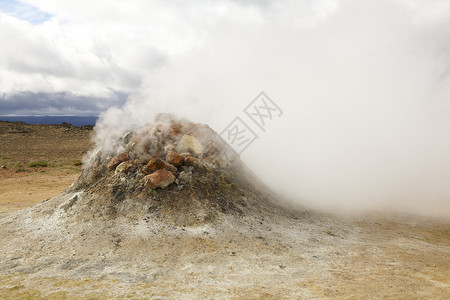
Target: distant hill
(74, 120)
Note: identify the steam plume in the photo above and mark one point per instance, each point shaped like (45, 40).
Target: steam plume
(364, 87)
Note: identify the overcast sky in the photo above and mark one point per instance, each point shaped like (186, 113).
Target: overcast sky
(80, 57)
(364, 85)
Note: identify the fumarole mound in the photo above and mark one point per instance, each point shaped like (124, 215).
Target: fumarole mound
(173, 170)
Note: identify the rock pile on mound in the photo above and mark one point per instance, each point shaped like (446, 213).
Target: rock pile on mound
(172, 169)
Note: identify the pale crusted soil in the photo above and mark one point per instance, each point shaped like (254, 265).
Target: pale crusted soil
(305, 255)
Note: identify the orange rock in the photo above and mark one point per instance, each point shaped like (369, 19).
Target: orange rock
(174, 158)
(158, 164)
(191, 161)
(155, 164)
(116, 160)
(159, 179)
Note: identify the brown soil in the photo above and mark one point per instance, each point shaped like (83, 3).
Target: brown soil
(308, 255)
(23, 189)
(60, 146)
(22, 143)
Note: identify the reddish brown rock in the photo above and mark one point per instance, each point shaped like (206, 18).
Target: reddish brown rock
(159, 179)
(191, 161)
(155, 164)
(158, 164)
(174, 158)
(116, 160)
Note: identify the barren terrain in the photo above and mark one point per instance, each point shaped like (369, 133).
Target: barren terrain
(60, 146)
(300, 254)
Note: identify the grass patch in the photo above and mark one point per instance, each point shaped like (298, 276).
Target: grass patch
(78, 163)
(6, 157)
(41, 163)
(20, 170)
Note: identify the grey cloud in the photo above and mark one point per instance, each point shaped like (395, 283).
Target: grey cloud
(74, 66)
(28, 103)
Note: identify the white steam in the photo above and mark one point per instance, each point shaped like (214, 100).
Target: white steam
(364, 86)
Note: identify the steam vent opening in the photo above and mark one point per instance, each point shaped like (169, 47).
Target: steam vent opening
(173, 170)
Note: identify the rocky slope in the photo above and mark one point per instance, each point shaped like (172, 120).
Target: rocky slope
(172, 170)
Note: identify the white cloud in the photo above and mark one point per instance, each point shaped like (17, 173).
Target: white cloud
(429, 12)
(92, 49)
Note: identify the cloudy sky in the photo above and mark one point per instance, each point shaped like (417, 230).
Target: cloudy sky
(364, 85)
(81, 57)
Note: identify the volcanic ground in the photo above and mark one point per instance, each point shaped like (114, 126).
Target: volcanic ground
(168, 211)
